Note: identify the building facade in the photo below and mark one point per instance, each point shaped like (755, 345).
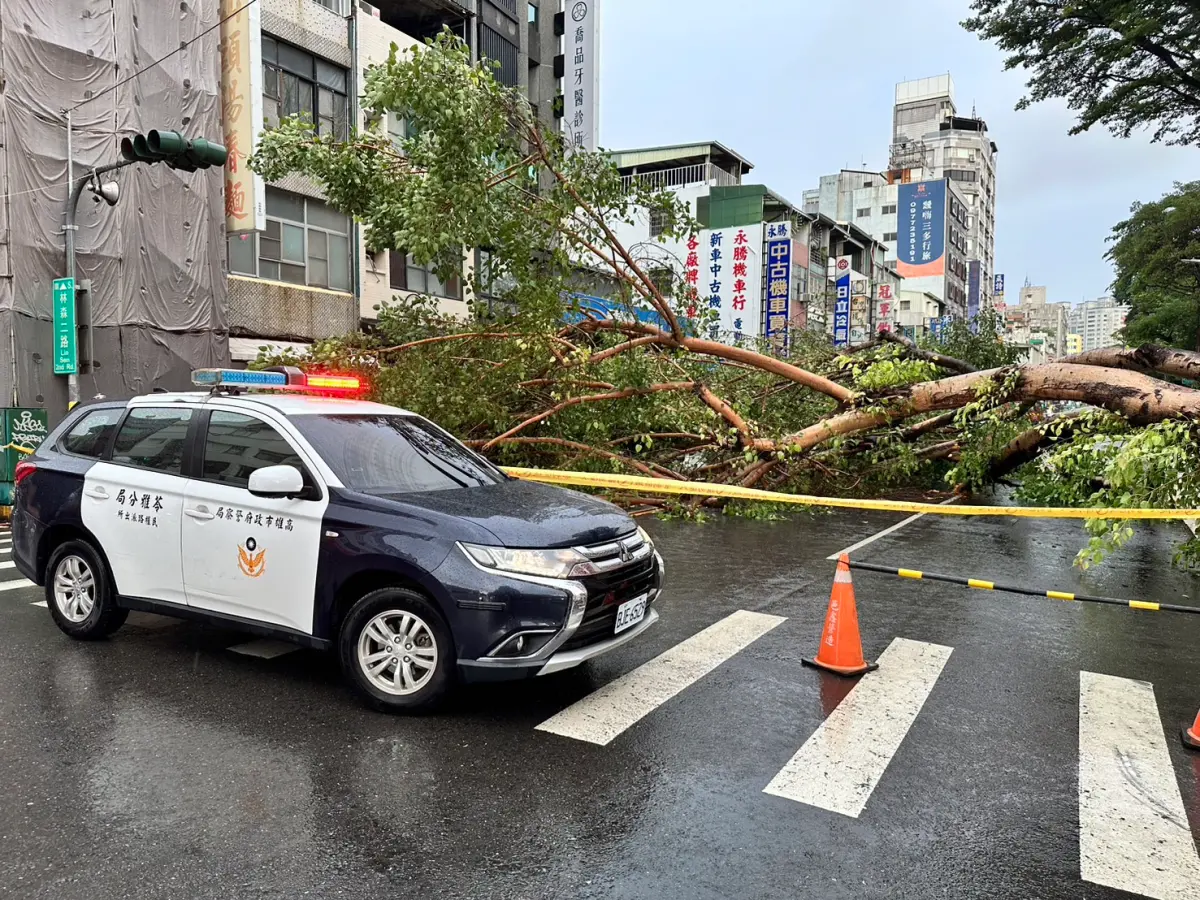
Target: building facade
(763, 263)
(150, 303)
(1037, 324)
(1098, 322)
(930, 141)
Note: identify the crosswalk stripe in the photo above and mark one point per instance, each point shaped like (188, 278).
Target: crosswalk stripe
(16, 584)
(1133, 831)
(841, 763)
(42, 603)
(8, 565)
(602, 715)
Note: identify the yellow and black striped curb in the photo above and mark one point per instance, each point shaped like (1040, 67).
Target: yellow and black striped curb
(642, 484)
(982, 585)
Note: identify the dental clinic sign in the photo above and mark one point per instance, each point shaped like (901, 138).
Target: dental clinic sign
(581, 88)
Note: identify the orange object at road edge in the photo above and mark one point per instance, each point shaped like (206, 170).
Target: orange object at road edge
(1191, 736)
(841, 645)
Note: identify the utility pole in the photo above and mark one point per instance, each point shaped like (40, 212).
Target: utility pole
(170, 147)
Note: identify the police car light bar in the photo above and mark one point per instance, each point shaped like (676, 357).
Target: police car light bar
(279, 378)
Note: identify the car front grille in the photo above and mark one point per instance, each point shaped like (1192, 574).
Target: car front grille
(609, 589)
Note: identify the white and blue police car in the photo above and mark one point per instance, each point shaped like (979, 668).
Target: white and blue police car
(275, 504)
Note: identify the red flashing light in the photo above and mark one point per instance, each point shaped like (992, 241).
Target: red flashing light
(22, 471)
(347, 383)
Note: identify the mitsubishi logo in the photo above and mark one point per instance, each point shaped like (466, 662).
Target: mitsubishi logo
(626, 556)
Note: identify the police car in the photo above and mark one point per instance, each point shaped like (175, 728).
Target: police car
(333, 522)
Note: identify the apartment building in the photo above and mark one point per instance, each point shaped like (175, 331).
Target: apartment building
(301, 271)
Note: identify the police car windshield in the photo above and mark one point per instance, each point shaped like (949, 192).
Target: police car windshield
(384, 454)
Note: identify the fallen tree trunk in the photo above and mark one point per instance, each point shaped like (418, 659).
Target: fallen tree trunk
(1147, 358)
(1140, 398)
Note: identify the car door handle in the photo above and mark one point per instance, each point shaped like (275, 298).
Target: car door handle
(98, 493)
(201, 513)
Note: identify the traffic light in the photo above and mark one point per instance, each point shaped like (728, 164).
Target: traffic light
(174, 149)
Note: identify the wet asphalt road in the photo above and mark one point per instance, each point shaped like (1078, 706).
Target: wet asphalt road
(160, 764)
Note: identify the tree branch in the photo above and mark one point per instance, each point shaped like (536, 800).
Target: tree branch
(938, 359)
(591, 398)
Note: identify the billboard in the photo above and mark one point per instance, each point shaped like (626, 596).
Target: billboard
(581, 79)
(841, 303)
(779, 285)
(974, 288)
(733, 267)
(242, 114)
(921, 218)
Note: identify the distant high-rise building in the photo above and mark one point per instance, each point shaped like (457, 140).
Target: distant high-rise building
(1098, 322)
(930, 140)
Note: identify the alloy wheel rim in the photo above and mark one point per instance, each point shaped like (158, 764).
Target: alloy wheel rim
(74, 588)
(397, 652)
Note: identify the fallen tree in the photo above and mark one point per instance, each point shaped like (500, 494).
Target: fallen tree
(521, 385)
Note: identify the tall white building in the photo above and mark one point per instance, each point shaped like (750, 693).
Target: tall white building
(1098, 321)
(930, 140)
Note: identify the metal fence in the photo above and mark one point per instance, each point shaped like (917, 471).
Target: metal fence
(697, 173)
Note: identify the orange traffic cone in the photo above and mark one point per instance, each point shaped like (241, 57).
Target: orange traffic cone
(841, 647)
(1191, 736)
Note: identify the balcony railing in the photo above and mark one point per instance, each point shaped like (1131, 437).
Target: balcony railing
(697, 173)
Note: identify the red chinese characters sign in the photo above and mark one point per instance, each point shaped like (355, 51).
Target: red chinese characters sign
(241, 113)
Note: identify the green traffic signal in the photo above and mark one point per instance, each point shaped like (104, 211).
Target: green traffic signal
(174, 149)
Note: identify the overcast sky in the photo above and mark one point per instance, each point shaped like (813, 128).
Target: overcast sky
(802, 89)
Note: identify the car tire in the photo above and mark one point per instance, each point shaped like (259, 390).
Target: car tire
(397, 652)
(80, 594)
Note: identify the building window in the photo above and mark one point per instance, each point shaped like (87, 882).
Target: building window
(862, 213)
(341, 7)
(495, 46)
(889, 210)
(658, 222)
(533, 15)
(296, 83)
(406, 275)
(305, 242)
(889, 236)
(962, 175)
(905, 305)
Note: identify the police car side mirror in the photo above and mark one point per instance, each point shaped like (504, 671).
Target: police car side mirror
(277, 482)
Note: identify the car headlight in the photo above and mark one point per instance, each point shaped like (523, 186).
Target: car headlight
(644, 536)
(564, 563)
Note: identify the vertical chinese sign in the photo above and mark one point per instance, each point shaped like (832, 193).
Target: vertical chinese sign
(921, 245)
(66, 355)
(242, 114)
(779, 286)
(733, 267)
(841, 303)
(883, 316)
(691, 277)
(974, 288)
(581, 93)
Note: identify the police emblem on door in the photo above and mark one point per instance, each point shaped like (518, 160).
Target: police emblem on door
(252, 563)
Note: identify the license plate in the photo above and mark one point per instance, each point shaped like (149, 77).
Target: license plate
(630, 613)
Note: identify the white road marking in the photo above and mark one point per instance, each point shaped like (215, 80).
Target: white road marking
(840, 765)
(602, 715)
(8, 565)
(264, 648)
(15, 585)
(1133, 831)
(890, 530)
(42, 603)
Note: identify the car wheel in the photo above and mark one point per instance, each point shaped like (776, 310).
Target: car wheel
(80, 594)
(397, 651)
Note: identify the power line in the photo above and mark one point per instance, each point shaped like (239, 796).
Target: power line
(160, 60)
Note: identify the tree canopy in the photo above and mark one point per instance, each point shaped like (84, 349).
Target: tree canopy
(527, 382)
(1125, 64)
(1150, 251)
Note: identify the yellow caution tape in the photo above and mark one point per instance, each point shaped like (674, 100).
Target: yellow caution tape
(19, 448)
(1142, 604)
(1059, 595)
(910, 573)
(643, 484)
(982, 585)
